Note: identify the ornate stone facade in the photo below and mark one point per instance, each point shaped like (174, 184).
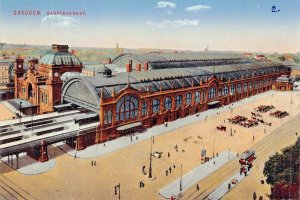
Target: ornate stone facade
(41, 83)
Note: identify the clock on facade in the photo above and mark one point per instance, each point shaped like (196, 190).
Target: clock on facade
(56, 74)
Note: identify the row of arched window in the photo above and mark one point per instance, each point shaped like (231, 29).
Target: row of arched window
(128, 106)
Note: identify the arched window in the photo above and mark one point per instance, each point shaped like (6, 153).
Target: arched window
(144, 109)
(155, 105)
(127, 108)
(239, 88)
(245, 87)
(168, 103)
(225, 90)
(197, 96)
(260, 83)
(178, 101)
(188, 99)
(232, 89)
(212, 92)
(250, 86)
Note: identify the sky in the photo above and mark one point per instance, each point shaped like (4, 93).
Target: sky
(224, 25)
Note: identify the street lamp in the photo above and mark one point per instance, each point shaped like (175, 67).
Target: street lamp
(231, 122)
(20, 110)
(150, 166)
(180, 184)
(31, 111)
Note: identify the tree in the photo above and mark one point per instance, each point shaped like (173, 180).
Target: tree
(283, 172)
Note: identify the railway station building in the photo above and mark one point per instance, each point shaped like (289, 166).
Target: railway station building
(135, 100)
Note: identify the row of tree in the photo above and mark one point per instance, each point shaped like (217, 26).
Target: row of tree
(283, 173)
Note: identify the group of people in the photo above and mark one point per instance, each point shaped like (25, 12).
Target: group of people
(168, 171)
(93, 163)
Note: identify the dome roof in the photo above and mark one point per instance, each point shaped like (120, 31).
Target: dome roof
(60, 58)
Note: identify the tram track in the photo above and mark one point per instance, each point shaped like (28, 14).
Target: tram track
(211, 182)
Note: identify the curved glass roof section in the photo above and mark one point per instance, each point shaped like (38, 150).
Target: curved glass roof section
(60, 58)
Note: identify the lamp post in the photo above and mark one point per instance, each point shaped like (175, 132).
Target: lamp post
(214, 145)
(150, 166)
(231, 122)
(20, 110)
(31, 111)
(180, 184)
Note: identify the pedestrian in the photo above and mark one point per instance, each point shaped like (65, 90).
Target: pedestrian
(253, 138)
(217, 154)
(229, 186)
(241, 171)
(234, 131)
(168, 154)
(174, 166)
(95, 163)
(224, 121)
(92, 163)
(166, 172)
(136, 138)
(170, 169)
(245, 172)
(296, 133)
(131, 138)
(254, 196)
(104, 144)
(198, 187)
(143, 168)
(214, 162)
(75, 155)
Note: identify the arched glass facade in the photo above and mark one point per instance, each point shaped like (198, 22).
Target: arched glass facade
(127, 108)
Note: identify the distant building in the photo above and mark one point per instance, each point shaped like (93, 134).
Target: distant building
(118, 49)
(260, 57)
(41, 83)
(284, 83)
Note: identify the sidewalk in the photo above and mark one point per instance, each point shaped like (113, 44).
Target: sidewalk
(28, 165)
(223, 189)
(121, 142)
(197, 174)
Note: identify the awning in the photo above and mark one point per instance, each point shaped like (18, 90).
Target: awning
(128, 126)
(213, 103)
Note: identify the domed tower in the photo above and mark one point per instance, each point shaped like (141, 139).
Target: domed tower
(53, 65)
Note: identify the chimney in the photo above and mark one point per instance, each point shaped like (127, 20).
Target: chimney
(138, 67)
(129, 67)
(146, 66)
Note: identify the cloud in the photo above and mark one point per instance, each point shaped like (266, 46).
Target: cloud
(166, 4)
(197, 8)
(174, 23)
(59, 20)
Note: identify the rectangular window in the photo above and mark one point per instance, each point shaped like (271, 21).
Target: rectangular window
(144, 109)
(108, 116)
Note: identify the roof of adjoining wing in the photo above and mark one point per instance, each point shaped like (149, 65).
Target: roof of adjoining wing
(165, 79)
